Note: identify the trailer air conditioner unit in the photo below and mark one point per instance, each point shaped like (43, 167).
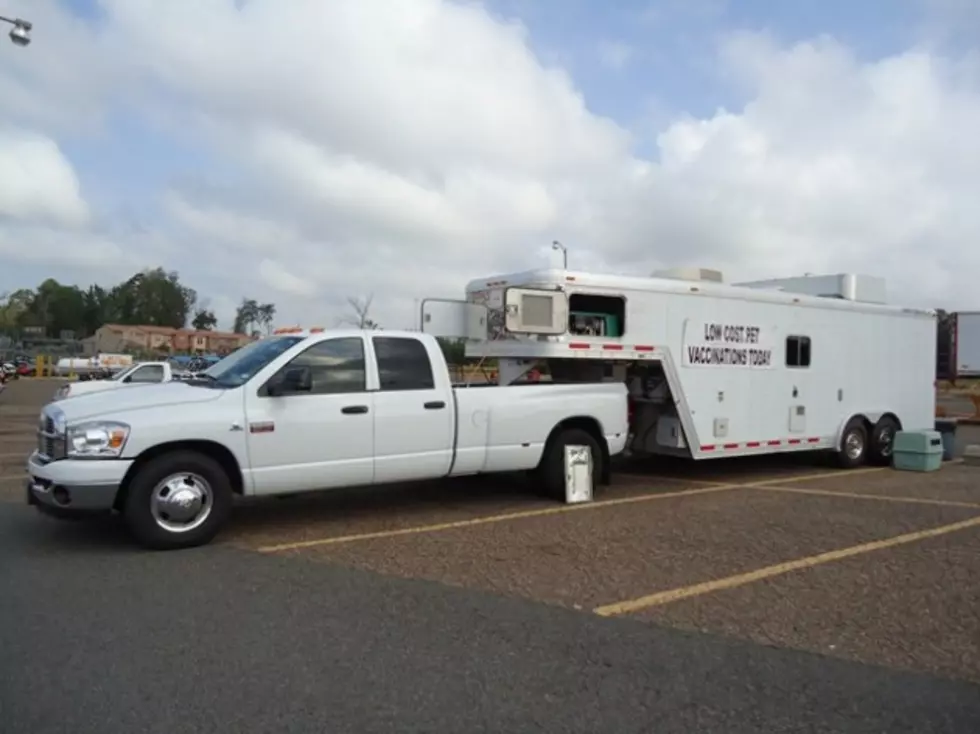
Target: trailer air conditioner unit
(698, 274)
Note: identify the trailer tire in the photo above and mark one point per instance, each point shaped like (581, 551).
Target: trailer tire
(883, 440)
(550, 474)
(853, 449)
(191, 520)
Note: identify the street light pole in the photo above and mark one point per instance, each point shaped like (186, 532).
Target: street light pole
(20, 34)
(556, 245)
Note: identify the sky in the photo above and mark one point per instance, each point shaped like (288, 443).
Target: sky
(308, 152)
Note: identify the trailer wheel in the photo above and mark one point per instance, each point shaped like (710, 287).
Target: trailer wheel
(178, 500)
(550, 474)
(883, 441)
(853, 449)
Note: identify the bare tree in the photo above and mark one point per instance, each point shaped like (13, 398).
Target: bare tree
(361, 318)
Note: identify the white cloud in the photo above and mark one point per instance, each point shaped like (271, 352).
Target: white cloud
(36, 182)
(402, 150)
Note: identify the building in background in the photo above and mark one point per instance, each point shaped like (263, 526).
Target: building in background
(127, 338)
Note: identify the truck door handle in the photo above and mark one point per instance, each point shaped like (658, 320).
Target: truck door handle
(435, 405)
(354, 409)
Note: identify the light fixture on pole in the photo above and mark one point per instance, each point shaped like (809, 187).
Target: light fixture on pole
(556, 245)
(20, 34)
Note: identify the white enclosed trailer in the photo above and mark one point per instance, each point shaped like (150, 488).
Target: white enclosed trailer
(715, 370)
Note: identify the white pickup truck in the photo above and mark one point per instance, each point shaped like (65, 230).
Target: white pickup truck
(296, 412)
(141, 373)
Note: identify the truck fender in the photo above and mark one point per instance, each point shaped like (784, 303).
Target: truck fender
(219, 452)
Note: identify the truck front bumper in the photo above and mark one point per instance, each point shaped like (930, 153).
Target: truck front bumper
(72, 486)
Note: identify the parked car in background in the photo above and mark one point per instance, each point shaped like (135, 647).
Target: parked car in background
(141, 373)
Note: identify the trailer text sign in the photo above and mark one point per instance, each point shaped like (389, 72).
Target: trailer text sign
(727, 345)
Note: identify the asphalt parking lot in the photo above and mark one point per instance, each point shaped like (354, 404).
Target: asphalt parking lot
(867, 579)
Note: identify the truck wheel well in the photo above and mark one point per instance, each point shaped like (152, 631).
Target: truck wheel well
(590, 426)
(212, 449)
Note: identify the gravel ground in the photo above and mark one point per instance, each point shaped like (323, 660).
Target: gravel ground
(100, 639)
(356, 636)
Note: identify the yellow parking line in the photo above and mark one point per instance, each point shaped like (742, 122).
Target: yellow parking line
(837, 474)
(686, 592)
(860, 496)
(543, 512)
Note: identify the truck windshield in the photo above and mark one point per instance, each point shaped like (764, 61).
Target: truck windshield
(241, 366)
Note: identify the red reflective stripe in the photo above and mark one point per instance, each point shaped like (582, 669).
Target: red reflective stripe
(643, 348)
(708, 448)
(813, 440)
(578, 345)
(615, 347)
(773, 443)
(753, 444)
(794, 441)
(730, 446)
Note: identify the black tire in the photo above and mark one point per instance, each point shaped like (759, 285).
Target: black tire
(550, 474)
(202, 472)
(882, 441)
(853, 449)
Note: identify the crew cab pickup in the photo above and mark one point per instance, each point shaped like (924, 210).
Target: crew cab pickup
(295, 412)
(141, 373)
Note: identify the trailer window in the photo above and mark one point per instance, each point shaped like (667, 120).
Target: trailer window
(590, 315)
(797, 351)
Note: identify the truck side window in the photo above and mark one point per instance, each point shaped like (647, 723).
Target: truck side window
(403, 363)
(797, 351)
(149, 373)
(336, 366)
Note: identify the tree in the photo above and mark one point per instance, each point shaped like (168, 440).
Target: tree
(55, 308)
(454, 350)
(251, 313)
(155, 298)
(13, 306)
(362, 313)
(204, 320)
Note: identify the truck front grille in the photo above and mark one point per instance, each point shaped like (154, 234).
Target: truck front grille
(50, 445)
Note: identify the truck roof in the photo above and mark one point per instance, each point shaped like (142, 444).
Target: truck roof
(334, 333)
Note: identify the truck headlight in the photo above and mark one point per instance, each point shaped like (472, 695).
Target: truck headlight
(96, 440)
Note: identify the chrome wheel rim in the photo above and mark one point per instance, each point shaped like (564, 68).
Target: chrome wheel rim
(886, 441)
(181, 502)
(854, 445)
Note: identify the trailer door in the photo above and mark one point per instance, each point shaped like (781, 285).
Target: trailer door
(798, 356)
(442, 317)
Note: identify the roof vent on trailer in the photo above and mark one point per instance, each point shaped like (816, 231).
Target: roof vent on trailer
(700, 274)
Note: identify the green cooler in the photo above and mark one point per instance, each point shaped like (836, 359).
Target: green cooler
(918, 451)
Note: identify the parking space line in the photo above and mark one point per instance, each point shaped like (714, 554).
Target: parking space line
(489, 519)
(11, 477)
(860, 496)
(16, 455)
(763, 482)
(686, 592)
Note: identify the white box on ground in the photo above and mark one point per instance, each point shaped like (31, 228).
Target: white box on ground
(578, 474)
